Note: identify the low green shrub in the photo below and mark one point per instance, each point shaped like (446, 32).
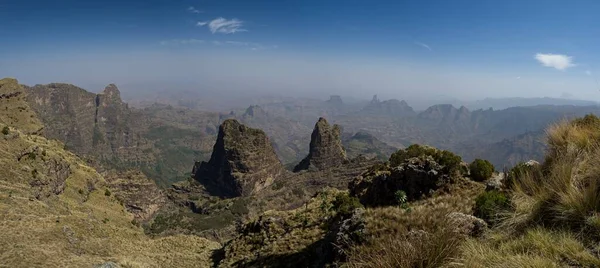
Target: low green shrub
(481, 170)
(489, 205)
(345, 204)
(450, 161)
(5, 130)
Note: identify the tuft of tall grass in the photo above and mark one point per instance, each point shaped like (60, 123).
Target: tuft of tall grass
(566, 193)
(414, 250)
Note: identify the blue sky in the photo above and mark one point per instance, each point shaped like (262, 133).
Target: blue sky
(399, 49)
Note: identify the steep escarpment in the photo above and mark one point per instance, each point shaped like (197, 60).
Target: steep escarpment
(160, 140)
(96, 126)
(243, 162)
(326, 150)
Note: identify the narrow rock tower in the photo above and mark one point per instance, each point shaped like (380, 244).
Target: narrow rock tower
(326, 150)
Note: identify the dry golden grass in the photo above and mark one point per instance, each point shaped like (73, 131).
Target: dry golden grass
(79, 227)
(14, 110)
(537, 247)
(567, 191)
(417, 237)
(556, 215)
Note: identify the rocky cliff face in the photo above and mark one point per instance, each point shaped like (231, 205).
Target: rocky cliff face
(326, 150)
(92, 125)
(101, 128)
(243, 162)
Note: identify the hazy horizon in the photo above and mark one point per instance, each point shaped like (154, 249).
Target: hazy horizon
(415, 51)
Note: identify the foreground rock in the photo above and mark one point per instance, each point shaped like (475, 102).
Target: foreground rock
(411, 180)
(326, 150)
(243, 162)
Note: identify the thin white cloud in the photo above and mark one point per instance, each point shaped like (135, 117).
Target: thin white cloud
(588, 72)
(248, 45)
(518, 77)
(556, 61)
(423, 45)
(194, 10)
(224, 26)
(176, 42)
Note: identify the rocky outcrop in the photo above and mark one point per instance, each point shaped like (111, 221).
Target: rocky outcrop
(243, 162)
(14, 110)
(416, 177)
(326, 150)
(140, 195)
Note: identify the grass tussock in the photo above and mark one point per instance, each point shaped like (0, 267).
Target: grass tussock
(537, 247)
(416, 249)
(565, 192)
(418, 236)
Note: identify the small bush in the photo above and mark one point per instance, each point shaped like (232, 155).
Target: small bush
(5, 130)
(345, 204)
(32, 155)
(401, 197)
(107, 192)
(481, 170)
(489, 205)
(450, 161)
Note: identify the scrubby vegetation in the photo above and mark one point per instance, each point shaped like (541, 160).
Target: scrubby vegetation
(481, 170)
(491, 205)
(449, 160)
(556, 206)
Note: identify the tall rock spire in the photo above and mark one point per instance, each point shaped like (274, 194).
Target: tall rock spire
(243, 162)
(326, 148)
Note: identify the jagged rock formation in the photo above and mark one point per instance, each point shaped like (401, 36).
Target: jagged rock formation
(93, 125)
(101, 128)
(14, 110)
(326, 150)
(243, 162)
(391, 107)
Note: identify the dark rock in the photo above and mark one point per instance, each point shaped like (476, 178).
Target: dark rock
(326, 150)
(243, 162)
(350, 232)
(417, 177)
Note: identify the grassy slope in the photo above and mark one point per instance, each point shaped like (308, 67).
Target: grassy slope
(81, 225)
